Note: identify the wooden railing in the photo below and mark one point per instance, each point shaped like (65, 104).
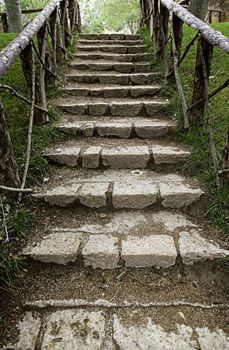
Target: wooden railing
(54, 28)
(165, 19)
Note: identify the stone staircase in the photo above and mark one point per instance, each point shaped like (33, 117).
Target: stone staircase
(117, 262)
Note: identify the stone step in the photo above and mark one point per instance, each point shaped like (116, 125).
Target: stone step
(112, 107)
(112, 36)
(106, 154)
(121, 67)
(81, 325)
(116, 127)
(139, 57)
(127, 239)
(120, 49)
(105, 91)
(110, 42)
(111, 77)
(119, 189)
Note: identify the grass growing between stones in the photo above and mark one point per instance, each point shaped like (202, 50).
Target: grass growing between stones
(18, 218)
(199, 164)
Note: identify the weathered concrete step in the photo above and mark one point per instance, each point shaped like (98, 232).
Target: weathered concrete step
(117, 156)
(131, 239)
(84, 328)
(120, 49)
(139, 57)
(111, 42)
(116, 127)
(112, 36)
(105, 91)
(111, 77)
(120, 189)
(121, 67)
(112, 107)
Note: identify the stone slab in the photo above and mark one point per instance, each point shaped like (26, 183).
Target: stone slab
(62, 196)
(150, 129)
(122, 130)
(73, 108)
(178, 195)
(132, 157)
(94, 195)
(98, 108)
(125, 109)
(66, 155)
(148, 251)
(135, 194)
(91, 157)
(154, 107)
(74, 330)
(168, 155)
(195, 248)
(59, 247)
(101, 251)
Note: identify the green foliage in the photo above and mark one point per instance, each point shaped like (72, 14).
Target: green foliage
(109, 15)
(200, 164)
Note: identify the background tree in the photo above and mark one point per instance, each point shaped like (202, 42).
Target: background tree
(199, 8)
(14, 17)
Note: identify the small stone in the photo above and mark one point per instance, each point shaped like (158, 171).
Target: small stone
(147, 251)
(29, 330)
(62, 196)
(101, 251)
(178, 195)
(74, 330)
(91, 157)
(98, 108)
(93, 195)
(126, 109)
(194, 248)
(87, 129)
(122, 130)
(132, 157)
(135, 195)
(59, 247)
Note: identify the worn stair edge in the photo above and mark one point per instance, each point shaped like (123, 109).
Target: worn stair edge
(139, 57)
(118, 67)
(143, 128)
(117, 157)
(111, 42)
(112, 36)
(115, 330)
(131, 194)
(111, 251)
(120, 49)
(112, 91)
(112, 78)
(121, 109)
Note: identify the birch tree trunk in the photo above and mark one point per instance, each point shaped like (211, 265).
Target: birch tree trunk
(199, 8)
(14, 17)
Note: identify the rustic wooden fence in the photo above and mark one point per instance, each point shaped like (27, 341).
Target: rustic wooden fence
(54, 28)
(165, 19)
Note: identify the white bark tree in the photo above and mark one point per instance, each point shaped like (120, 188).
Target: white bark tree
(14, 17)
(199, 8)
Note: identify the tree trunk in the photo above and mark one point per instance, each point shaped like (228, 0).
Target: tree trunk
(199, 8)
(14, 17)
(8, 168)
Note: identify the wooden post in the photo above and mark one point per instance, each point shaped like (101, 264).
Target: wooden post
(8, 167)
(67, 39)
(78, 18)
(27, 64)
(58, 51)
(198, 84)
(72, 8)
(4, 22)
(162, 33)
(178, 35)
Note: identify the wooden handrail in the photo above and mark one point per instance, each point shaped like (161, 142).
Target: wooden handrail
(214, 37)
(25, 11)
(9, 54)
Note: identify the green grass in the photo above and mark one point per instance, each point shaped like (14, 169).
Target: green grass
(19, 219)
(199, 164)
